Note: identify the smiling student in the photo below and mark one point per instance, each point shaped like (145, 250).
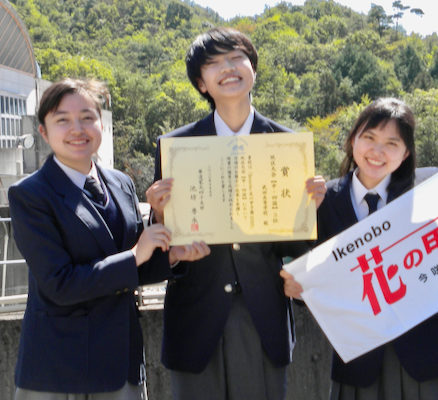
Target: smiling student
(79, 228)
(379, 165)
(228, 328)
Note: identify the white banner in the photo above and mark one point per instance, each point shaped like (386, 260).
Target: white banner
(377, 279)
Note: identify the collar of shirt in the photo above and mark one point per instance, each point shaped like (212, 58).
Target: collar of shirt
(358, 192)
(222, 129)
(78, 178)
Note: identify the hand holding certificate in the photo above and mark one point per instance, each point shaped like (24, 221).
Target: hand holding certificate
(239, 189)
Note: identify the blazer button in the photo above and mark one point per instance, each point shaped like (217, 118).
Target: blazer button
(228, 288)
(125, 290)
(236, 246)
(118, 292)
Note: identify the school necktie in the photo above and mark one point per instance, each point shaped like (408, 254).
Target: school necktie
(372, 199)
(94, 188)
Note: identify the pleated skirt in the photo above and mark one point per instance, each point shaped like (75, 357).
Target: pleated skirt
(394, 383)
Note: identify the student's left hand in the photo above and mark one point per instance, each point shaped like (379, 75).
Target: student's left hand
(291, 287)
(316, 188)
(158, 195)
(193, 252)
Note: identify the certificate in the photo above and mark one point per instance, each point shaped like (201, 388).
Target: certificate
(377, 279)
(239, 189)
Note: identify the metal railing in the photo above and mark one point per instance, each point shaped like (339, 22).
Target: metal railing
(148, 297)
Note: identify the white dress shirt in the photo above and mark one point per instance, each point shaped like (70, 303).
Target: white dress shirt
(222, 129)
(358, 192)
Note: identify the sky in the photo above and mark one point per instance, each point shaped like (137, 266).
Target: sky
(425, 25)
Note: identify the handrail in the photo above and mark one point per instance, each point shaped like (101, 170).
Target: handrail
(13, 299)
(150, 297)
(18, 261)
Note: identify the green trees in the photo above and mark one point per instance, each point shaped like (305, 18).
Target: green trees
(425, 107)
(319, 65)
(409, 66)
(378, 19)
(364, 71)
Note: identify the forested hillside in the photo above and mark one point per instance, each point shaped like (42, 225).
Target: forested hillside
(319, 65)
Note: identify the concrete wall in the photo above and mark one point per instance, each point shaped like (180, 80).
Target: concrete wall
(308, 375)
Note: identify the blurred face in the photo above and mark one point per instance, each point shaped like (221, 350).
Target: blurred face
(74, 131)
(378, 152)
(227, 76)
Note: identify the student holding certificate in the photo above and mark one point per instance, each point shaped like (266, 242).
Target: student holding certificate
(228, 328)
(379, 166)
(79, 227)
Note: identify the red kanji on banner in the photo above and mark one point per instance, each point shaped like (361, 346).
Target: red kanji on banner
(430, 240)
(382, 278)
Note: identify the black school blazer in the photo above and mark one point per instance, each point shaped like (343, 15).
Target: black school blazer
(196, 304)
(80, 332)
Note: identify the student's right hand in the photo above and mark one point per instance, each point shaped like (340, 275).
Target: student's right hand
(193, 252)
(291, 287)
(158, 196)
(316, 187)
(152, 237)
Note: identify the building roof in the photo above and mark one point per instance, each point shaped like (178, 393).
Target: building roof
(16, 50)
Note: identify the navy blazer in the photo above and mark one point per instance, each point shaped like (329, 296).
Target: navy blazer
(80, 331)
(197, 305)
(416, 349)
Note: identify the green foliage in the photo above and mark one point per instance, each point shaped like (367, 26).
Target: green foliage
(330, 27)
(140, 167)
(362, 67)
(79, 66)
(319, 65)
(378, 19)
(177, 14)
(411, 69)
(272, 87)
(325, 136)
(425, 107)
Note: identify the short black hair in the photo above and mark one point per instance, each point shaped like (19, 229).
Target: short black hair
(54, 94)
(216, 41)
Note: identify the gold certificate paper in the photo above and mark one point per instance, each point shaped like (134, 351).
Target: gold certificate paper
(239, 189)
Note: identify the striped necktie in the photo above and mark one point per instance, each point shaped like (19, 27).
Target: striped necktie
(94, 188)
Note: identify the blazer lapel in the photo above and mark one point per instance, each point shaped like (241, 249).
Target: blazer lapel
(260, 124)
(204, 127)
(78, 202)
(342, 203)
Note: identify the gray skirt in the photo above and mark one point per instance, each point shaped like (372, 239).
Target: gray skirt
(238, 370)
(394, 383)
